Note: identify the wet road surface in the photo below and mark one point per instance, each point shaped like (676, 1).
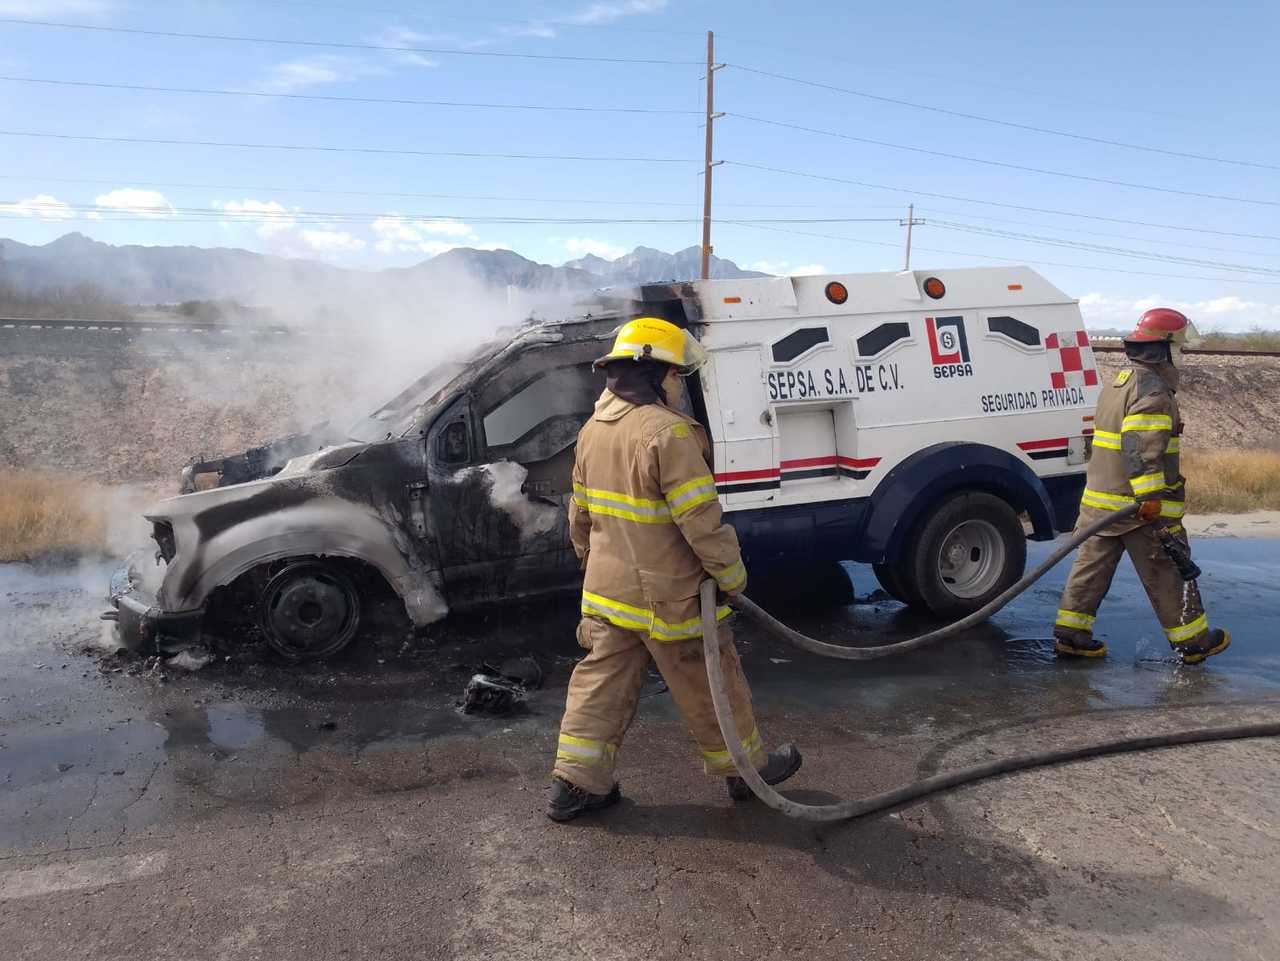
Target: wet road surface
(253, 810)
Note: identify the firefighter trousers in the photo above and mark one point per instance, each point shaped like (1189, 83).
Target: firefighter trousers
(1176, 602)
(605, 691)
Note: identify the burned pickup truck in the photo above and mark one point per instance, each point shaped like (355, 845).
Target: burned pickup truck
(453, 494)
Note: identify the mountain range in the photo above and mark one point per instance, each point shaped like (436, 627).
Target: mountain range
(156, 275)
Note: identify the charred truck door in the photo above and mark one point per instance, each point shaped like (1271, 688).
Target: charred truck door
(501, 476)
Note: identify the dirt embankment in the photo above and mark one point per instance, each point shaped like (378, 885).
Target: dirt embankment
(1227, 402)
(117, 412)
(132, 415)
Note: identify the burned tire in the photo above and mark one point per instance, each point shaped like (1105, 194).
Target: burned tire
(966, 550)
(309, 611)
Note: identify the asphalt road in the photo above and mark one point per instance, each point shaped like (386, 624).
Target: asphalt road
(347, 810)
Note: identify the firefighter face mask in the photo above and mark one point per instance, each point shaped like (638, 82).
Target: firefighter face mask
(674, 390)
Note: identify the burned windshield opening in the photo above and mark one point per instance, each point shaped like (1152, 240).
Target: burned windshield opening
(397, 416)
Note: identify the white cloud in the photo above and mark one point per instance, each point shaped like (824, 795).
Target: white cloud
(51, 8)
(329, 241)
(397, 233)
(295, 75)
(611, 10)
(398, 36)
(449, 228)
(42, 207)
(143, 203)
(541, 31)
(581, 246)
(272, 217)
(1228, 313)
(783, 268)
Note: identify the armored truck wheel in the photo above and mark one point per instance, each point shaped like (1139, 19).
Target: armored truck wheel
(967, 549)
(310, 610)
(890, 577)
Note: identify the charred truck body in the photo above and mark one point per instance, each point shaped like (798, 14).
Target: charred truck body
(912, 421)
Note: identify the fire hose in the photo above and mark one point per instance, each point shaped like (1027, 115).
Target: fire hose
(858, 807)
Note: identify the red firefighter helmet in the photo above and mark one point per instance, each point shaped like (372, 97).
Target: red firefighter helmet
(1160, 324)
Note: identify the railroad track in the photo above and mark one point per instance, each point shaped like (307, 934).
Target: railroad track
(135, 327)
(1198, 352)
(175, 328)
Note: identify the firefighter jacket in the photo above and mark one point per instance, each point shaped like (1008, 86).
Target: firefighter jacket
(646, 520)
(1136, 442)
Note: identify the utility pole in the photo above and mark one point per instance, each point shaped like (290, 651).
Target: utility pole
(909, 223)
(712, 116)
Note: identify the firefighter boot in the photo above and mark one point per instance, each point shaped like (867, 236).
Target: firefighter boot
(782, 763)
(1077, 643)
(567, 800)
(1214, 642)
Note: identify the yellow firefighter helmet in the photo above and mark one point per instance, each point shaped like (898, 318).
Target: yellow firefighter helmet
(650, 338)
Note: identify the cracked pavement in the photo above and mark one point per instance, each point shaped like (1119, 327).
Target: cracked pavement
(346, 810)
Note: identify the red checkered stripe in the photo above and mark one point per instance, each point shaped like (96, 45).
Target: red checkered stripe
(1074, 360)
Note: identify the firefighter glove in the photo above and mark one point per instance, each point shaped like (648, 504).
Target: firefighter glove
(1149, 511)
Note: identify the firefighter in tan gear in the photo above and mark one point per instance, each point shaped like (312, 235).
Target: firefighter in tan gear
(646, 522)
(1136, 442)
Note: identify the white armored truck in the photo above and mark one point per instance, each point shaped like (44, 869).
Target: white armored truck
(924, 422)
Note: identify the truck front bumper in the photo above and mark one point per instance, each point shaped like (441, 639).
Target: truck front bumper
(141, 625)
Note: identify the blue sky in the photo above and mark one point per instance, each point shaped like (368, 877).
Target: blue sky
(1187, 78)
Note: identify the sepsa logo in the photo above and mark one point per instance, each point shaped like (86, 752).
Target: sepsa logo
(949, 347)
(947, 341)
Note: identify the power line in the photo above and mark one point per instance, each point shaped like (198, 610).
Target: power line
(1004, 123)
(1013, 260)
(329, 191)
(330, 149)
(911, 191)
(1097, 248)
(340, 45)
(436, 15)
(1099, 233)
(338, 99)
(284, 216)
(1009, 166)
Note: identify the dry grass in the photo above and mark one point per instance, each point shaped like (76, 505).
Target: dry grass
(45, 516)
(1232, 481)
(1255, 339)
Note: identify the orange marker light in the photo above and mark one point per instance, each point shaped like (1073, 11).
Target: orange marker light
(733, 300)
(935, 288)
(837, 292)
(1015, 286)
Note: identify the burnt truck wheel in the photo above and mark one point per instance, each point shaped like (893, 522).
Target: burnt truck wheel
(310, 610)
(969, 548)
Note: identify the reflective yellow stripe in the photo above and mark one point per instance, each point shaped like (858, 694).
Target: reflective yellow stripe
(618, 497)
(1174, 446)
(720, 762)
(1174, 528)
(616, 504)
(1173, 509)
(1106, 440)
(586, 751)
(731, 578)
(1075, 619)
(638, 619)
(1147, 422)
(1148, 483)
(690, 494)
(1111, 502)
(1188, 632)
(706, 480)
